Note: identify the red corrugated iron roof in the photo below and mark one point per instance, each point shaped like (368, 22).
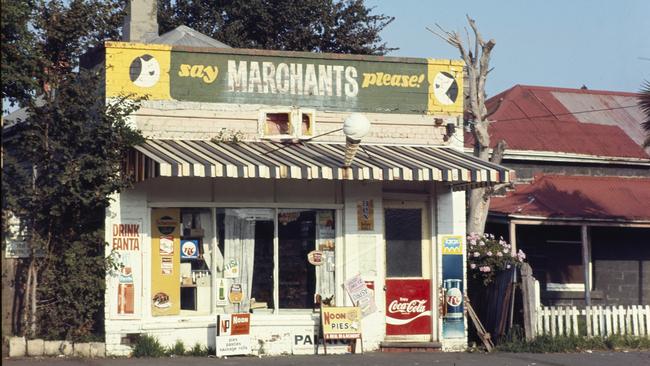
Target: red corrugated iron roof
(587, 197)
(543, 110)
(563, 136)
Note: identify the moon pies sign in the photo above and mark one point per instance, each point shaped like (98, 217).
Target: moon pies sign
(327, 81)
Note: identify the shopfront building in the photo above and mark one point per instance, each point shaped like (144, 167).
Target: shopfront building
(244, 203)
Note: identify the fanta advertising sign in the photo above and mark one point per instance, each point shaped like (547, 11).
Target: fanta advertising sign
(408, 307)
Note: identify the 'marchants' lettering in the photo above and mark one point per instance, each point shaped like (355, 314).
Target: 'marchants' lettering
(293, 79)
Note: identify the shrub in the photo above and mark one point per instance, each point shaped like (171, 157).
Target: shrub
(148, 346)
(486, 256)
(178, 349)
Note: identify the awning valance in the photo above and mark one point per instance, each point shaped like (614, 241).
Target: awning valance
(197, 158)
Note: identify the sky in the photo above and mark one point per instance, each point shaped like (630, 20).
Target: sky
(604, 45)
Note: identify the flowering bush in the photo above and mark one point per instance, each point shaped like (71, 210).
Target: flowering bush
(487, 256)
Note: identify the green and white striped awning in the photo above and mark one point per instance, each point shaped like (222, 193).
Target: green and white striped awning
(195, 158)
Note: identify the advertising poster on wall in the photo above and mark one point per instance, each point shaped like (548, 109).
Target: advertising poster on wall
(453, 321)
(233, 334)
(165, 261)
(365, 215)
(190, 249)
(408, 307)
(341, 82)
(126, 282)
(361, 295)
(341, 322)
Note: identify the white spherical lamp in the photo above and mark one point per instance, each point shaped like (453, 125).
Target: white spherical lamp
(356, 126)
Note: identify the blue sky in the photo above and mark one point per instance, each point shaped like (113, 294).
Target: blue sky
(601, 44)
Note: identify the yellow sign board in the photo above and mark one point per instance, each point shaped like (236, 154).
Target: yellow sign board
(138, 70)
(341, 322)
(365, 215)
(445, 86)
(452, 244)
(165, 261)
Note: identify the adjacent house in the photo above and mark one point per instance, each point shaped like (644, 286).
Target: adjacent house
(581, 206)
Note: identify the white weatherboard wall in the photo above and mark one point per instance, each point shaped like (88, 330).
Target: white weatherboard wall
(361, 247)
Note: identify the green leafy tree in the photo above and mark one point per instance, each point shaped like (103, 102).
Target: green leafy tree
(292, 25)
(62, 163)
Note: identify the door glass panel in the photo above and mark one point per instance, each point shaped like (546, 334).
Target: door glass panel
(403, 242)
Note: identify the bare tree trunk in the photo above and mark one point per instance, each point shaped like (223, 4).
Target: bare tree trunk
(477, 71)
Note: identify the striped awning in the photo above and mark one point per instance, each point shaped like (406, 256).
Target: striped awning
(194, 158)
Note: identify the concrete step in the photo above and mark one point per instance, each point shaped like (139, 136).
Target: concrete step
(410, 346)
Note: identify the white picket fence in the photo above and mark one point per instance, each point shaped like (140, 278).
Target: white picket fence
(599, 320)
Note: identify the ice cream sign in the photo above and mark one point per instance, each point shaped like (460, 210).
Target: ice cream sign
(337, 82)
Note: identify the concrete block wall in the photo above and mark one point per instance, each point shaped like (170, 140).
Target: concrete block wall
(623, 282)
(621, 265)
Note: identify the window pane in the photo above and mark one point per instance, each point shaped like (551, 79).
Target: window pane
(306, 126)
(403, 242)
(246, 236)
(277, 124)
(196, 260)
(297, 237)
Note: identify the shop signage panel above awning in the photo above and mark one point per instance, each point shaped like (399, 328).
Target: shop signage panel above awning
(196, 158)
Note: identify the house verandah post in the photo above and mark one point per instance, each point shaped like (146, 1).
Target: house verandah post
(586, 261)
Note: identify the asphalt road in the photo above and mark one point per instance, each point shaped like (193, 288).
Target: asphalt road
(371, 359)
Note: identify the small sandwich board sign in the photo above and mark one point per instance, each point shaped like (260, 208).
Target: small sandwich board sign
(341, 323)
(233, 334)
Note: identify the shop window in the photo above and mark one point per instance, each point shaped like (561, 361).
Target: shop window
(247, 237)
(277, 124)
(298, 123)
(196, 261)
(299, 233)
(307, 124)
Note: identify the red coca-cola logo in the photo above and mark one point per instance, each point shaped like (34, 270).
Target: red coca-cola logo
(407, 307)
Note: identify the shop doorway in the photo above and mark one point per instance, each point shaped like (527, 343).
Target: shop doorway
(408, 271)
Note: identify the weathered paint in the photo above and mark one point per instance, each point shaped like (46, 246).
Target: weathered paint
(322, 81)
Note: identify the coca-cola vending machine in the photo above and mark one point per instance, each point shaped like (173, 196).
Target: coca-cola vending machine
(408, 307)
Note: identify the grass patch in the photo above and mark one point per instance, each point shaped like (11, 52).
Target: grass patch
(148, 346)
(178, 349)
(516, 342)
(198, 351)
